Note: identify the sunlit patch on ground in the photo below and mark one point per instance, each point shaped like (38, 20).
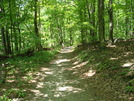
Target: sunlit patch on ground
(127, 64)
(127, 53)
(33, 81)
(69, 89)
(67, 50)
(10, 79)
(112, 46)
(45, 69)
(113, 58)
(40, 85)
(58, 61)
(90, 73)
(76, 62)
(62, 60)
(80, 65)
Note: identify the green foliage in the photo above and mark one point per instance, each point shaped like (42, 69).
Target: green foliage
(29, 63)
(107, 64)
(83, 55)
(21, 66)
(124, 72)
(12, 93)
(58, 20)
(130, 88)
(44, 56)
(4, 98)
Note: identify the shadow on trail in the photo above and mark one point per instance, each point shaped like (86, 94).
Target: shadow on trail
(60, 81)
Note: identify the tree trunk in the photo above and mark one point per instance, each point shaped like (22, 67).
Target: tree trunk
(82, 27)
(8, 41)
(11, 24)
(132, 7)
(91, 17)
(101, 23)
(110, 12)
(36, 30)
(4, 40)
(3, 30)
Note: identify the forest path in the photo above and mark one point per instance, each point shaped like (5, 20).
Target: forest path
(59, 81)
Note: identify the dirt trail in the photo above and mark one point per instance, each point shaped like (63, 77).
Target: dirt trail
(59, 81)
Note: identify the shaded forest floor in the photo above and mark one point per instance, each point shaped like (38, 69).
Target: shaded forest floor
(110, 70)
(107, 75)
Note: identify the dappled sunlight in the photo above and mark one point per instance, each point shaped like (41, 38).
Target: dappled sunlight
(37, 93)
(62, 60)
(59, 65)
(10, 79)
(127, 53)
(76, 62)
(33, 81)
(69, 89)
(90, 73)
(48, 72)
(127, 64)
(40, 85)
(67, 50)
(56, 89)
(39, 77)
(80, 65)
(59, 81)
(113, 58)
(45, 69)
(58, 61)
(113, 46)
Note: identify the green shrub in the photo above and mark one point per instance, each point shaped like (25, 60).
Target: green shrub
(130, 88)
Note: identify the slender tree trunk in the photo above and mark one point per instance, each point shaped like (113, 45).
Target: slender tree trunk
(93, 21)
(51, 34)
(18, 30)
(3, 29)
(11, 24)
(36, 30)
(110, 12)
(91, 17)
(4, 40)
(61, 35)
(101, 23)
(70, 36)
(132, 7)
(82, 27)
(8, 41)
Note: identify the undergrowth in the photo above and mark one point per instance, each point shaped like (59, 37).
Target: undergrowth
(102, 61)
(19, 67)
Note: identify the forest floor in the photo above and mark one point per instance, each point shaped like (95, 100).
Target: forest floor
(114, 70)
(59, 81)
(83, 74)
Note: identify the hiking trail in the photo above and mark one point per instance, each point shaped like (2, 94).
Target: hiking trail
(59, 81)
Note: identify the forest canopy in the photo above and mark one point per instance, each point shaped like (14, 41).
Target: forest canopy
(38, 24)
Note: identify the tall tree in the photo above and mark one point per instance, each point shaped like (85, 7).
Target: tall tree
(101, 23)
(3, 26)
(132, 10)
(110, 12)
(91, 16)
(36, 29)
